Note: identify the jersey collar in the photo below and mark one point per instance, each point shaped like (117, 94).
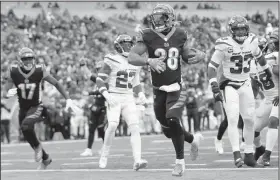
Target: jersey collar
(167, 37)
(26, 76)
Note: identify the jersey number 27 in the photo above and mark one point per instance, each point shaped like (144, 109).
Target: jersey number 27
(172, 54)
(123, 79)
(23, 87)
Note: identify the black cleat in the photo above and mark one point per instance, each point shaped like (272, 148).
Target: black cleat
(265, 160)
(250, 161)
(238, 161)
(259, 152)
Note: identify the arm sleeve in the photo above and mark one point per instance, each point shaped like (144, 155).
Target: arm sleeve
(136, 79)
(217, 58)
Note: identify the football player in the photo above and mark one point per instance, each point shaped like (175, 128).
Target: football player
(97, 115)
(233, 54)
(165, 45)
(27, 77)
(267, 113)
(116, 81)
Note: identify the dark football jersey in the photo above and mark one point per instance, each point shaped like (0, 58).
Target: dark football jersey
(28, 85)
(98, 99)
(170, 47)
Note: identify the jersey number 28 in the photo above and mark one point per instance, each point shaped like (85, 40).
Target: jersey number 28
(173, 57)
(23, 87)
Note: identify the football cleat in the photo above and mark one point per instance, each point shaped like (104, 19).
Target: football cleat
(219, 146)
(103, 162)
(194, 145)
(178, 170)
(140, 165)
(259, 152)
(44, 164)
(265, 160)
(238, 161)
(87, 152)
(250, 161)
(38, 153)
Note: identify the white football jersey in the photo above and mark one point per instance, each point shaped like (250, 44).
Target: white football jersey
(270, 88)
(123, 76)
(234, 59)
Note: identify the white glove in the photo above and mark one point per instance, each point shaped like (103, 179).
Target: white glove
(157, 64)
(141, 98)
(170, 88)
(75, 109)
(110, 100)
(12, 92)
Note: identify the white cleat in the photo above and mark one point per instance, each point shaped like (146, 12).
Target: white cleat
(140, 165)
(219, 146)
(242, 146)
(87, 152)
(178, 170)
(38, 153)
(103, 162)
(194, 145)
(44, 164)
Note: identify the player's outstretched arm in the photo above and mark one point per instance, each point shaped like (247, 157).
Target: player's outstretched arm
(137, 89)
(86, 71)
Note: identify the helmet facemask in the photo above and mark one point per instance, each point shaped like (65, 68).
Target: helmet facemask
(27, 63)
(240, 33)
(123, 45)
(239, 28)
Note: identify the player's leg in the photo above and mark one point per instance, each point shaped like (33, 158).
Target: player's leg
(131, 116)
(247, 111)
(113, 115)
(221, 130)
(241, 127)
(101, 124)
(262, 121)
(231, 105)
(91, 132)
(272, 135)
(28, 119)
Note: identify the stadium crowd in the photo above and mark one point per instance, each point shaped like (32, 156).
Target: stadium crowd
(60, 41)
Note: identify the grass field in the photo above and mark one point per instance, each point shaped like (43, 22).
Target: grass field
(17, 162)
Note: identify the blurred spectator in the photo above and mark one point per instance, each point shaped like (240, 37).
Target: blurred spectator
(5, 121)
(268, 29)
(192, 111)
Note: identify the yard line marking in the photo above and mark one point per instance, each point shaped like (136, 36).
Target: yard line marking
(149, 153)
(6, 164)
(130, 170)
(191, 164)
(72, 164)
(6, 153)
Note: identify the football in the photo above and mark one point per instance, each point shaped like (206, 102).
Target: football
(188, 53)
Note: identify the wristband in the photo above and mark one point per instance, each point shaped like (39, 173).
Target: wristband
(212, 80)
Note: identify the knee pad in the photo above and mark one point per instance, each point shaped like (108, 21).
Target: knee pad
(273, 122)
(175, 125)
(166, 132)
(112, 126)
(133, 129)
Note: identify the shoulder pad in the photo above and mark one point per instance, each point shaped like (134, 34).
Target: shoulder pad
(253, 38)
(111, 59)
(222, 43)
(13, 66)
(143, 34)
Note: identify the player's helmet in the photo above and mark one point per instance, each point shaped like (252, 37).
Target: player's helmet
(162, 17)
(123, 44)
(26, 58)
(239, 28)
(273, 42)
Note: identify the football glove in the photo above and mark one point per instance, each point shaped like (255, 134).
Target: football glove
(216, 91)
(199, 56)
(70, 104)
(110, 100)
(157, 64)
(170, 88)
(12, 92)
(275, 101)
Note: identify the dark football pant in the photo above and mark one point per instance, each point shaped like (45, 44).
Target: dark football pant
(224, 124)
(96, 121)
(5, 130)
(168, 109)
(27, 119)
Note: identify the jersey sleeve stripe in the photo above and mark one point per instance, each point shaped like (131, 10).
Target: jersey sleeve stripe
(112, 59)
(219, 43)
(214, 64)
(253, 39)
(259, 54)
(102, 75)
(271, 58)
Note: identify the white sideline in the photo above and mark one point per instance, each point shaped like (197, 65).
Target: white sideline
(130, 170)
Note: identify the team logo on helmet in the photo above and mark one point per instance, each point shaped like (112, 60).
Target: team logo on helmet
(162, 17)
(123, 44)
(239, 28)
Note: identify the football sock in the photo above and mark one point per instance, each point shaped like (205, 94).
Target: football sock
(222, 128)
(177, 136)
(271, 138)
(249, 135)
(101, 132)
(90, 140)
(135, 141)
(109, 136)
(45, 155)
(188, 137)
(31, 137)
(257, 139)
